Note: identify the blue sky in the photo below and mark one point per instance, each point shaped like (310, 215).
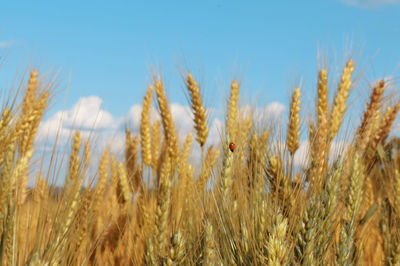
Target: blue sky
(109, 49)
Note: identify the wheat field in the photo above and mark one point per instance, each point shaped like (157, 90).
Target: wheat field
(244, 201)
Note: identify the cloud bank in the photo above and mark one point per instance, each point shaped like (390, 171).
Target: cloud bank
(106, 130)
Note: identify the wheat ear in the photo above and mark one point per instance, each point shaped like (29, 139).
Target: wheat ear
(322, 127)
(199, 112)
(145, 134)
(232, 115)
(167, 122)
(30, 95)
(364, 131)
(276, 245)
(339, 102)
(293, 134)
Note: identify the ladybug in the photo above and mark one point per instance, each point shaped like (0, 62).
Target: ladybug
(232, 146)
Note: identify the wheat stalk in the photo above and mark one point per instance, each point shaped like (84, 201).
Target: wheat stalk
(232, 114)
(145, 134)
(364, 131)
(339, 102)
(199, 112)
(167, 122)
(293, 134)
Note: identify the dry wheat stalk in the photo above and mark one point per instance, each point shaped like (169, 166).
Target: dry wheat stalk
(167, 122)
(86, 157)
(27, 126)
(101, 181)
(145, 134)
(74, 157)
(226, 174)
(232, 114)
(322, 128)
(339, 102)
(30, 95)
(199, 112)
(293, 132)
(364, 131)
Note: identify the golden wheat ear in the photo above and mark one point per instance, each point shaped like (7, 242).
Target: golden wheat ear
(339, 102)
(199, 112)
(370, 115)
(145, 134)
(167, 122)
(293, 132)
(232, 113)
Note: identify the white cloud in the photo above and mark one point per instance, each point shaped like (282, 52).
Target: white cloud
(370, 3)
(87, 116)
(273, 110)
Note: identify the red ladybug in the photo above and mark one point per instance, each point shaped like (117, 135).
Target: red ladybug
(232, 146)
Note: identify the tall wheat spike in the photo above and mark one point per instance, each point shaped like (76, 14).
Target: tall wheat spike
(199, 112)
(30, 95)
(322, 127)
(293, 133)
(145, 134)
(339, 102)
(232, 113)
(167, 122)
(364, 131)
(74, 157)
